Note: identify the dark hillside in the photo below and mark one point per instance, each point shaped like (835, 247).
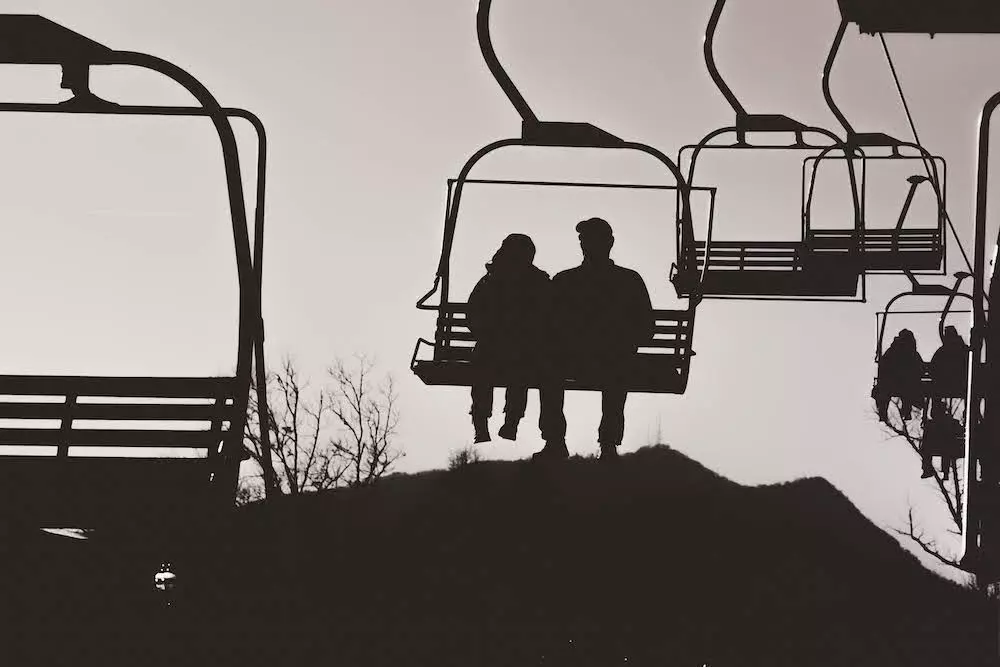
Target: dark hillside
(654, 559)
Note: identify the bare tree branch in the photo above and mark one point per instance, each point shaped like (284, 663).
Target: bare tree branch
(342, 433)
(951, 494)
(928, 546)
(949, 490)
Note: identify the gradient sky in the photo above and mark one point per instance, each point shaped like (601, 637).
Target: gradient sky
(371, 106)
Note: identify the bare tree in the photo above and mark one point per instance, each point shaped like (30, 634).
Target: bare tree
(324, 437)
(949, 483)
(368, 417)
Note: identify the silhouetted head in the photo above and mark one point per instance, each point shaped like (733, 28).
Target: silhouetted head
(596, 238)
(905, 338)
(952, 336)
(516, 251)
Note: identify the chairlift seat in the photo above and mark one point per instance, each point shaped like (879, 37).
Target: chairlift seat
(943, 389)
(66, 485)
(923, 17)
(883, 249)
(661, 366)
(768, 268)
(930, 390)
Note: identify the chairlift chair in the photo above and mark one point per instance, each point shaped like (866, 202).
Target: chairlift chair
(887, 249)
(909, 250)
(930, 390)
(663, 363)
(794, 269)
(67, 489)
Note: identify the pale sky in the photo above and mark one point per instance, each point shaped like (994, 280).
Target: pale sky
(370, 108)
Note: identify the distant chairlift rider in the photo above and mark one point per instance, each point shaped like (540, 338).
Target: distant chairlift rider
(949, 367)
(899, 376)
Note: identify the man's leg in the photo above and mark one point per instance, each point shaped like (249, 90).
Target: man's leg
(552, 421)
(612, 428)
(482, 410)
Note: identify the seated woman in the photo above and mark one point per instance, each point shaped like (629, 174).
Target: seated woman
(507, 314)
(899, 373)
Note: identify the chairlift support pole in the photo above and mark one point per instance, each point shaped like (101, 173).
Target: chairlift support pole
(498, 71)
(982, 518)
(713, 69)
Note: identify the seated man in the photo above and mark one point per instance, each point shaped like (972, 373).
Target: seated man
(601, 315)
(949, 367)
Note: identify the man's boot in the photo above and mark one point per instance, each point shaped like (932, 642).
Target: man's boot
(553, 451)
(609, 451)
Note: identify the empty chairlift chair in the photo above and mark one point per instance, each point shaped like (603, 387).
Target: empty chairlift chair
(885, 249)
(62, 488)
(789, 268)
(663, 363)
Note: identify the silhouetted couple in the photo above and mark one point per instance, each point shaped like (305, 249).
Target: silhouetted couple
(586, 323)
(901, 369)
(900, 375)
